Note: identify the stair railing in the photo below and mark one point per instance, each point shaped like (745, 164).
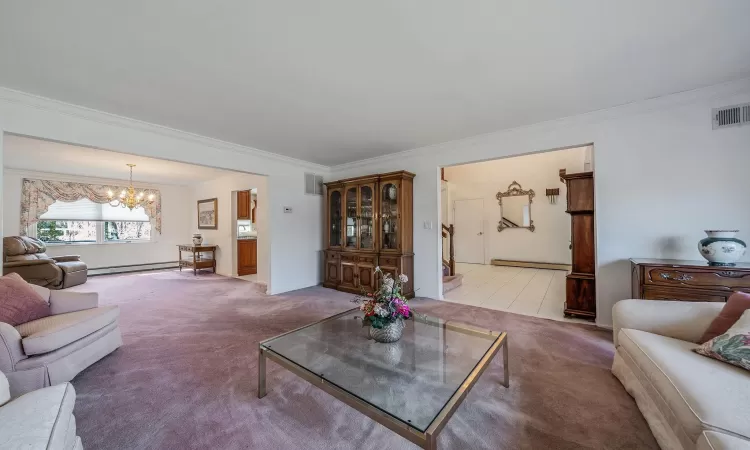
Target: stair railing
(451, 262)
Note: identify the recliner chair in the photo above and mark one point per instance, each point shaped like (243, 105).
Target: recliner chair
(26, 256)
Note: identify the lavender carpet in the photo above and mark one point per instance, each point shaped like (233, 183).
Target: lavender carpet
(186, 377)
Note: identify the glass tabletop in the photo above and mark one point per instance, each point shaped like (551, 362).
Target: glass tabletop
(412, 379)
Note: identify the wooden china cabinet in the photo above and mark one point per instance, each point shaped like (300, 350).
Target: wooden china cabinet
(369, 223)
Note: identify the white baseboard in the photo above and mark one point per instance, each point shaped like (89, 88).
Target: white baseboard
(127, 268)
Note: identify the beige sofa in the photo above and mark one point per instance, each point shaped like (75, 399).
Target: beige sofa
(41, 419)
(26, 256)
(56, 348)
(689, 401)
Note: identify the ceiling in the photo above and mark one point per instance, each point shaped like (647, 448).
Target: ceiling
(342, 80)
(44, 156)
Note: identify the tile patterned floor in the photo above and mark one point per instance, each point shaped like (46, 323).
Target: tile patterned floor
(532, 292)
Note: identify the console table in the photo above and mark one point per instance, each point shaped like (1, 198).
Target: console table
(693, 281)
(198, 260)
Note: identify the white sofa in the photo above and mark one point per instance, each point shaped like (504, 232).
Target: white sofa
(689, 401)
(54, 349)
(41, 419)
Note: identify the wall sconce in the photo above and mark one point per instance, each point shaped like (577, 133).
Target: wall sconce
(552, 195)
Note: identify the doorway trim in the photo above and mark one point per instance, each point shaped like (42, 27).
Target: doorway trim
(440, 176)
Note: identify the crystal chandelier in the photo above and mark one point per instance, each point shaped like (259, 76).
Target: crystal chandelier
(128, 198)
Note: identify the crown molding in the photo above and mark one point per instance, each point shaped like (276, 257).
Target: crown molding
(72, 178)
(82, 112)
(737, 86)
(628, 109)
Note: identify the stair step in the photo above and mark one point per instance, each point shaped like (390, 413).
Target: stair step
(452, 282)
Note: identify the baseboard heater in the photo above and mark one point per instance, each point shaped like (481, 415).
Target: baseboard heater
(127, 268)
(532, 264)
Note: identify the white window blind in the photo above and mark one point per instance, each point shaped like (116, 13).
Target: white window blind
(84, 209)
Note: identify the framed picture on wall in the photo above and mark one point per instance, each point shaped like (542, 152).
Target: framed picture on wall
(208, 212)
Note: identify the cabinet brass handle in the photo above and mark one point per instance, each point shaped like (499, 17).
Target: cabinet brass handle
(682, 277)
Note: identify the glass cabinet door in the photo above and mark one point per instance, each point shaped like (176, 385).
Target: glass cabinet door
(335, 219)
(389, 197)
(351, 217)
(366, 217)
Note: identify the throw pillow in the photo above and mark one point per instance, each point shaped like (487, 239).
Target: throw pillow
(737, 304)
(19, 303)
(732, 347)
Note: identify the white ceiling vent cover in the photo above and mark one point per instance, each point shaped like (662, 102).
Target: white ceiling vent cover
(313, 184)
(730, 116)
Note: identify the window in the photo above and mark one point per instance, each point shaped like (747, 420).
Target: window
(84, 221)
(66, 231)
(121, 230)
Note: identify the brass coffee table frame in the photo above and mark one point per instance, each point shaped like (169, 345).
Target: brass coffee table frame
(427, 439)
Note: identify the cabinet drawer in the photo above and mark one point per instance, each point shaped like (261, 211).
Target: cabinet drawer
(389, 261)
(335, 257)
(349, 258)
(697, 279)
(367, 259)
(689, 295)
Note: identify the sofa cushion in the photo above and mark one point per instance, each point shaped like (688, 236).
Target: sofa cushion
(703, 394)
(732, 347)
(40, 419)
(730, 313)
(19, 302)
(50, 333)
(22, 245)
(711, 440)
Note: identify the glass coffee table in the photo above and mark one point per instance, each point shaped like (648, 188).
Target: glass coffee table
(412, 386)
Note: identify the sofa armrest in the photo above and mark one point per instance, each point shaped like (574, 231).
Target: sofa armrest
(40, 419)
(61, 302)
(11, 348)
(686, 321)
(67, 258)
(4, 389)
(27, 262)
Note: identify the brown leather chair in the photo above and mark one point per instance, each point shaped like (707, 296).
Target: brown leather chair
(26, 256)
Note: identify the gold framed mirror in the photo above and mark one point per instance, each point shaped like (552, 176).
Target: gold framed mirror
(515, 208)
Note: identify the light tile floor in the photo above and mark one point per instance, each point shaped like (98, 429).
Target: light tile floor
(533, 292)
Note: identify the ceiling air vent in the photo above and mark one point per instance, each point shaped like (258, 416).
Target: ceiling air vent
(731, 116)
(313, 184)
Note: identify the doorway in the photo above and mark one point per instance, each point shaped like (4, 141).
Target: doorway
(509, 232)
(468, 216)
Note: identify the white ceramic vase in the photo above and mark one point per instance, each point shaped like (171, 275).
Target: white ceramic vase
(721, 248)
(197, 239)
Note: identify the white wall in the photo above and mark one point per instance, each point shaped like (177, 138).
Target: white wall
(662, 176)
(295, 240)
(162, 247)
(551, 238)
(224, 189)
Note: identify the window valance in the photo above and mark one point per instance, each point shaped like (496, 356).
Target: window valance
(38, 195)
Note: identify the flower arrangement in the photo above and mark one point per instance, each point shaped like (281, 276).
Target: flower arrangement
(387, 304)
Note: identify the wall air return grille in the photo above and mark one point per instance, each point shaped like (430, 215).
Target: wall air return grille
(731, 116)
(313, 184)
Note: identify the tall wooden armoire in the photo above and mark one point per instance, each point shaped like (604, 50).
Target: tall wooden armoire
(580, 284)
(369, 223)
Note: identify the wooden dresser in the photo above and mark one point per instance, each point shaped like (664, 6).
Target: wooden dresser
(369, 223)
(580, 283)
(693, 281)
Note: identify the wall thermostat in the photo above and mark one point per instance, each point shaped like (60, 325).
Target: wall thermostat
(287, 209)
